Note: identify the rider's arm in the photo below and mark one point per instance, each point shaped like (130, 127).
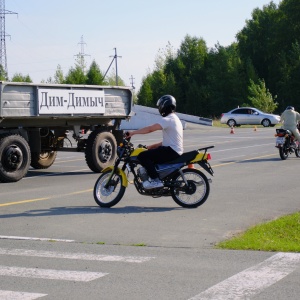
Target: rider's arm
(145, 130)
(154, 146)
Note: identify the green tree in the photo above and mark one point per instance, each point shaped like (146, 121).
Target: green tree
(145, 96)
(187, 70)
(59, 75)
(75, 76)
(260, 97)
(257, 40)
(3, 74)
(226, 79)
(111, 79)
(18, 77)
(94, 75)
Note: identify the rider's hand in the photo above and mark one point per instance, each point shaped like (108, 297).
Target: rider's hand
(128, 134)
(142, 146)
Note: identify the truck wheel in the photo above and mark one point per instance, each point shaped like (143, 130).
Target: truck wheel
(14, 157)
(101, 150)
(43, 160)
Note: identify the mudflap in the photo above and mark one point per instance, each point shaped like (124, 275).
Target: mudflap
(206, 166)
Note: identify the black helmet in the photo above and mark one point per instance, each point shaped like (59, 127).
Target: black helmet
(290, 107)
(166, 104)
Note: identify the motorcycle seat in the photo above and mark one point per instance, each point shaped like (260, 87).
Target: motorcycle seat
(184, 157)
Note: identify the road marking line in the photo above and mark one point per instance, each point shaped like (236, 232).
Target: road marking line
(238, 161)
(10, 295)
(78, 256)
(238, 148)
(253, 280)
(24, 201)
(50, 274)
(7, 237)
(48, 198)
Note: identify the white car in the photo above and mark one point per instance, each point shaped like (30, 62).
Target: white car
(249, 116)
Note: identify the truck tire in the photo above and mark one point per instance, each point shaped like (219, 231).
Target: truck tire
(101, 150)
(43, 160)
(14, 157)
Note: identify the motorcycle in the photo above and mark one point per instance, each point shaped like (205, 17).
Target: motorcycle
(285, 142)
(188, 186)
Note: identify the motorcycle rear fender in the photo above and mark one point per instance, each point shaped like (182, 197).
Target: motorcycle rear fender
(206, 166)
(119, 172)
(201, 156)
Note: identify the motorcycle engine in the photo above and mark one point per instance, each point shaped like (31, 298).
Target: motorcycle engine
(142, 173)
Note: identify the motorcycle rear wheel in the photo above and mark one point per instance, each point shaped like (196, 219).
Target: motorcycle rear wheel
(193, 195)
(110, 196)
(283, 152)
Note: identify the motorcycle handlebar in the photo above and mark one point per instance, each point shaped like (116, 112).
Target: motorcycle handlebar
(126, 136)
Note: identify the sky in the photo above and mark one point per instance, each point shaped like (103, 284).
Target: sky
(44, 34)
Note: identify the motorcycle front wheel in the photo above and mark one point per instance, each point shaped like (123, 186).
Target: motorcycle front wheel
(194, 193)
(283, 152)
(110, 195)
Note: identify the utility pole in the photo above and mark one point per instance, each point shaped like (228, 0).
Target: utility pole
(132, 82)
(3, 35)
(80, 56)
(115, 58)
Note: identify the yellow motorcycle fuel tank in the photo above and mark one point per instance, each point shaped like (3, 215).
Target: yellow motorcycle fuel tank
(136, 152)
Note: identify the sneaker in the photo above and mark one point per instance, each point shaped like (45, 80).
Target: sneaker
(152, 184)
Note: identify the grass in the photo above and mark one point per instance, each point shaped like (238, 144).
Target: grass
(280, 235)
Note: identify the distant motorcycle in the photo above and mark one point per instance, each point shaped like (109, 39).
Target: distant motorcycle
(285, 142)
(188, 187)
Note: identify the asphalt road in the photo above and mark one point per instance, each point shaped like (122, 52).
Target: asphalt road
(56, 243)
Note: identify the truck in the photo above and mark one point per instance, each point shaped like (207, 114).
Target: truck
(38, 120)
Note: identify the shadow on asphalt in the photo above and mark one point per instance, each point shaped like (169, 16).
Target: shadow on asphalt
(250, 160)
(34, 173)
(83, 210)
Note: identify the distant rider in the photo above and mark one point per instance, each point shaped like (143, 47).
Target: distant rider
(171, 146)
(290, 119)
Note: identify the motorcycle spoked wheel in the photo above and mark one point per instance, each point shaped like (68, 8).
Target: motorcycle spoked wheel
(297, 153)
(110, 196)
(283, 152)
(197, 191)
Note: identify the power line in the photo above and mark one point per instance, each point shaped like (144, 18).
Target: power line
(3, 35)
(132, 82)
(115, 58)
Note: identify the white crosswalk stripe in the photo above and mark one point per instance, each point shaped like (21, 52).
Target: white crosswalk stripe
(51, 274)
(10, 295)
(80, 256)
(252, 281)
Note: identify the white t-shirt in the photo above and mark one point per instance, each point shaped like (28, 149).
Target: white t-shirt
(172, 132)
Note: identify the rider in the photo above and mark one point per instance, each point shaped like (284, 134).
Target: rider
(171, 146)
(290, 119)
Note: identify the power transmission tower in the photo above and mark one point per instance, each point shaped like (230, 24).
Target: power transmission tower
(80, 56)
(115, 58)
(3, 35)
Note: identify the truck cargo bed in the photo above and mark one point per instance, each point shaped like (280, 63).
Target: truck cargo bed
(28, 104)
